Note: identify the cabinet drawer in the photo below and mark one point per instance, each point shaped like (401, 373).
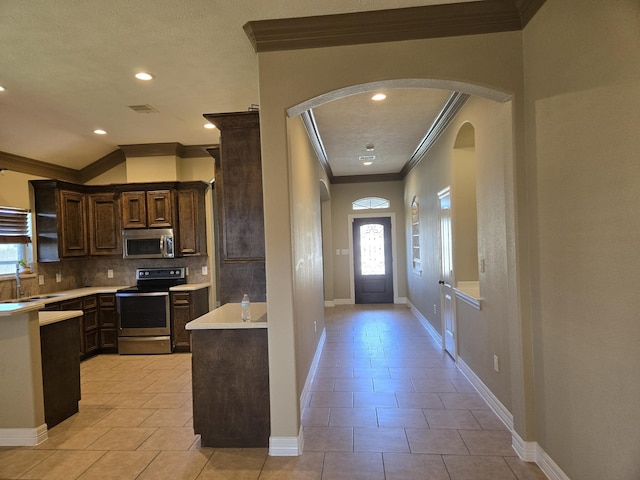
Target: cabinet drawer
(107, 300)
(181, 298)
(89, 302)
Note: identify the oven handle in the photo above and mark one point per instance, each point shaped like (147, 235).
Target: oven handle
(145, 294)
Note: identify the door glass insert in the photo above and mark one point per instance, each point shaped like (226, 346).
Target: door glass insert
(372, 260)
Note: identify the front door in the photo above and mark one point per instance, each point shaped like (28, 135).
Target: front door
(446, 273)
(373, 272)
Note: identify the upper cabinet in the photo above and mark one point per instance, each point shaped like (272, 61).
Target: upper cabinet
(147, 209)
(80, 220)
(239, 212)
(192, 237)
(61, 220)
(105, 237)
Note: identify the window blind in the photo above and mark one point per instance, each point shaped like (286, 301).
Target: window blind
(14, 225)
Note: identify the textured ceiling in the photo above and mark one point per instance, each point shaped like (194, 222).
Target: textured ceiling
(67, 67)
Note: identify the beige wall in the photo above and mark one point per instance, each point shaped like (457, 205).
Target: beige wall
(582, 75)
(342, 196)
(481, 333)
(307, 249)
(152, 169)
(292, 77)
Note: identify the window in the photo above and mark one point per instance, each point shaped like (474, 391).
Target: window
(15, 235)
(372, 259)
(368, 203)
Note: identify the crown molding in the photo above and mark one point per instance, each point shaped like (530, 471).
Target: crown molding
(450, 109)
(16, 163)
(309, 121)
(433, 21)
(380, 177)
(101, 165)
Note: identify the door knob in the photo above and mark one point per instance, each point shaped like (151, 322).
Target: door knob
(441, 282)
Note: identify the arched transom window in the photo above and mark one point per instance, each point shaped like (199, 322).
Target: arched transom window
(368, 203)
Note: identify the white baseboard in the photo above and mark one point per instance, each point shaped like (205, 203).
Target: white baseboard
(426, 324)
(527, 451)
(343, 301)
(23, 437)
(401, 301)
(496, 405)
(306, 391)
(286, 446)
(329, 303)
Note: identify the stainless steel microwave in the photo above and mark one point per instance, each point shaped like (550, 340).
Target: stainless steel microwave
(148, 243)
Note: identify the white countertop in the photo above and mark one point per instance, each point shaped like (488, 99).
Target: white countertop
(11, 308)
(46, 318)
(228, 317)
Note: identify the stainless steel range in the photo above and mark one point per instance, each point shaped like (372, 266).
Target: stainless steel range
(144, 313)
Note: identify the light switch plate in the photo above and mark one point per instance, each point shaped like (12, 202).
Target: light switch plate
(58, 277)
(40, 279)
(109, 273)
(205, 270)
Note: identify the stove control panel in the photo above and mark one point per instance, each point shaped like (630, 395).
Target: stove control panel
(173, 273)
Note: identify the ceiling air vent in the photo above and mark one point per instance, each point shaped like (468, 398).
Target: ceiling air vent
(366, 158)
(143, 108)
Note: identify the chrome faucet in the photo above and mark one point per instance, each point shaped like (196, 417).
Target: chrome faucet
(18, 285)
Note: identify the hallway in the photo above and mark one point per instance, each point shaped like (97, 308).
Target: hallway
(387, 403)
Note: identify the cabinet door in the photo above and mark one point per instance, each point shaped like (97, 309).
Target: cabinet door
(191, 223)
(107, 321)
(134, 210)
(73, 230)
(181, 309)
(159, 208)
(105, 234)
(76, 304)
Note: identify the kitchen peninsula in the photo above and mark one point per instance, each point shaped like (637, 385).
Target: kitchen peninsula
(40, 371)
(231, 407)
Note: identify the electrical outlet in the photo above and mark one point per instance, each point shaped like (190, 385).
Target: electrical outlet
(109, 273)
(496, 363)
(204, 270)
(435, 309)
(58, 277)
(315, 326)
(186, 271)
(40, 279)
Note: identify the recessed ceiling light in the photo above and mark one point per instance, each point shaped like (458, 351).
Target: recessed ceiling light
(1, 88)
(369, 148)
(367, 163)
(99, 131)
(378, 96)
(144, 76)
(209, 126)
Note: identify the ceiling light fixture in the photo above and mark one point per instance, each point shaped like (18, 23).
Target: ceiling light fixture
(1, 88)
(378, 96)
(144, 76)
(99, 131)
(210, 126)
(367, 163)
(369, 147)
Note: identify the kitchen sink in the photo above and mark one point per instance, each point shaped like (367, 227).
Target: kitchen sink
(35, 298)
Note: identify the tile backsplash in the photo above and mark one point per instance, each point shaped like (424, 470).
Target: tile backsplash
(93, 272)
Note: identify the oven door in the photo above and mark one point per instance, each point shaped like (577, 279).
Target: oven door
(143, 314)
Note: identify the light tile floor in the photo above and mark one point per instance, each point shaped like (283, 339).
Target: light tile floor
(386, 403)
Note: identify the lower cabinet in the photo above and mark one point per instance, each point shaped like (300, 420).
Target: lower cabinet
(107, 318)
(59, 344)
(91, 332)
(186, 306)
(76, 304)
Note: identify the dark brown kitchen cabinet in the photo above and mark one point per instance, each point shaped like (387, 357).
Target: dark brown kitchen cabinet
(192, 237)
(105, 237)
(59, 344)
(76, 304)
(147, 209)
(134, 210)
(107, 318)
(239, 213)
(91, 331)
(186, 306)
(61, 220)
(74, 220)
